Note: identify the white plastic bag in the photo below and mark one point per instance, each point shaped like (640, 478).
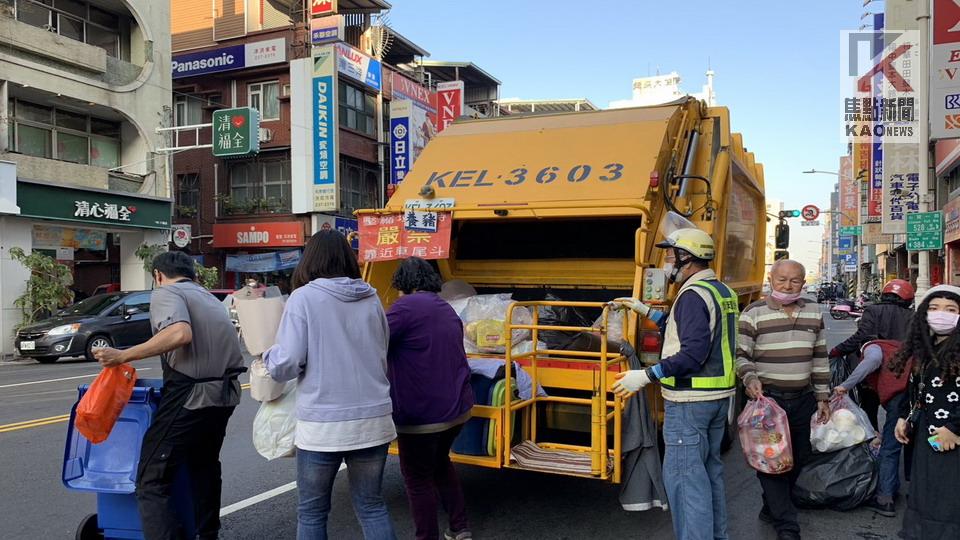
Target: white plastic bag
(614, 325)
(259, 318)
(275, 426)
(483, 317)
(848, 426)
(262, 386)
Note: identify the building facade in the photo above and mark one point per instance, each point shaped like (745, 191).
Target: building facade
(250, 216)
(84, 86)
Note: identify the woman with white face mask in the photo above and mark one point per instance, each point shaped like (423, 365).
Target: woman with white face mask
(931, 416)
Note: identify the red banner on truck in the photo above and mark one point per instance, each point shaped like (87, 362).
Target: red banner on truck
(384, 237)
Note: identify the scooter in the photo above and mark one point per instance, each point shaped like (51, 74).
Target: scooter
(845, 309)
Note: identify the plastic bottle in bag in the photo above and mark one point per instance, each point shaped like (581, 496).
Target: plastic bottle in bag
(764, 431)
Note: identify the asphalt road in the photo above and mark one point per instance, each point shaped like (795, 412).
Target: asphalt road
(259, 497)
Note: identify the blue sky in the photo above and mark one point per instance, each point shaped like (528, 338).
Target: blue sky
(776, 63)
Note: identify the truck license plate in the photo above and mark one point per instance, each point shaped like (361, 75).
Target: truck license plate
(28, 345)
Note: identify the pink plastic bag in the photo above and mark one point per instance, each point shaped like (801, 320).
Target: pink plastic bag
(765, 436)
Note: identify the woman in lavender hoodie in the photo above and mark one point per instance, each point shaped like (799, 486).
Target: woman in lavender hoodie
(333, 340)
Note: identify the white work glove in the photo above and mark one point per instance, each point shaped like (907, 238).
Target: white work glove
(630, 381)
(632, 303)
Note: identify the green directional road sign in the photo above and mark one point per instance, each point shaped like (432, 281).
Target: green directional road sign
(856, 230)
(924, 231)
(236, 132)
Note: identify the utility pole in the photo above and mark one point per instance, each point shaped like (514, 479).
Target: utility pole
(923, 110)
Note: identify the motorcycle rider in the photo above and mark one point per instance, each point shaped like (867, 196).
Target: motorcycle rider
(889, 319)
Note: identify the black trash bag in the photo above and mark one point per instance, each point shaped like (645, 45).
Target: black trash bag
(563, 316)
(840, 480)
(840, 369)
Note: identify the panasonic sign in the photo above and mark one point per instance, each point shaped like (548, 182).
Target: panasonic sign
(260, 53)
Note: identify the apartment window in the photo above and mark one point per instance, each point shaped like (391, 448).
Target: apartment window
(50, 132)
(74, 19)
(188, 194)
(264, 97)
(187, 110)
(359, 185)
(259, 187)
(357, 110)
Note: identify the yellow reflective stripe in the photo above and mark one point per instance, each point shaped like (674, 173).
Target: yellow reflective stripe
(728, 306)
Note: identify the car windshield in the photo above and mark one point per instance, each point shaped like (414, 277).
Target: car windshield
(92, 305)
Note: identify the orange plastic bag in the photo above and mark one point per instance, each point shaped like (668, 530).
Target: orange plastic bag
(103, 402)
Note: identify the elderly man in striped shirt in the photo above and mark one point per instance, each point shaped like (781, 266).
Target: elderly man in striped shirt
(782, 352)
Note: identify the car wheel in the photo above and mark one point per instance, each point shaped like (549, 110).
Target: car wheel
(97, 342)
(46, 359)
(89, 529)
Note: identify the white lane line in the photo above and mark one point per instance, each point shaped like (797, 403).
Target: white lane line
(61, 379)
(237, 506)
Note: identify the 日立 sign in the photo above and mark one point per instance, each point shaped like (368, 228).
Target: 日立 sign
(258, 53)
(236, 132)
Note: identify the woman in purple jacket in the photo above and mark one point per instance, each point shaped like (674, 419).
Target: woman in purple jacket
(432, 398)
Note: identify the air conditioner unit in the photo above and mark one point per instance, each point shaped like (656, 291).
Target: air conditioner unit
(266, 135)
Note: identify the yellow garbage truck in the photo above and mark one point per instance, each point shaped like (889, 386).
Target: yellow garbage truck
(561, 212)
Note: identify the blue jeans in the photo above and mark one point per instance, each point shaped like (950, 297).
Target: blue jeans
(316, 472)
(889, 483)
(693, 470)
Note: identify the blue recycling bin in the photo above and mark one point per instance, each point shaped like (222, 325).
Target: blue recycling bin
(109, 469)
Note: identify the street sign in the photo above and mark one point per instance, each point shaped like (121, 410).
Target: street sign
(849, 268)
(810, 212)
(809, 223)
(236, 132)
(924, 231)
(855, 230)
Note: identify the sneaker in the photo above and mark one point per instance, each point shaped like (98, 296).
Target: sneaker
(765, 515)
(462, 535)
(788, 535)
(883, 508)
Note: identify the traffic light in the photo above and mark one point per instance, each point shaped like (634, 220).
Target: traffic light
(789, 214)
(782, 234)
(781, 254)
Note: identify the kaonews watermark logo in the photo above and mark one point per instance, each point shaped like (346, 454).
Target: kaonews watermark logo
(878, 86)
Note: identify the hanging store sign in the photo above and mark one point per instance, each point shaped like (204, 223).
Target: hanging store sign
(449, 103)
(945, 71)
(181, 235)
(236, 132)
(384, 238)
(323, 7)
(263, 262)
(325, 130)
(253, 235)
(92, 207)
(326, 29)
(358, 66)
(258, 53)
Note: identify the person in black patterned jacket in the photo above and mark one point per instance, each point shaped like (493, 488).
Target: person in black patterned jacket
(932, 417)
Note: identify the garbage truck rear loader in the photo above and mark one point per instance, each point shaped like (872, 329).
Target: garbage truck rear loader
(562, 212)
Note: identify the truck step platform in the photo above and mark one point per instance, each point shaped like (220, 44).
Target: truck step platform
(530, 456)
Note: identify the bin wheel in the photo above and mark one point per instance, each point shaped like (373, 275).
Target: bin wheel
(89, 529)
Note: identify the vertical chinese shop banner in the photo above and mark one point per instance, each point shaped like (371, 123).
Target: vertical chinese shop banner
(862, 171)
(874, 178)
(849, 193)
(383, 237)
(325, 130)
(449, 103)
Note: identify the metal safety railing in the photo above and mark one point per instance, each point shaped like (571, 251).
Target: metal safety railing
(602, 409)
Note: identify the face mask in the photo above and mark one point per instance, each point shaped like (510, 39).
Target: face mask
(942, 322)
(785, 298)
(668, 270)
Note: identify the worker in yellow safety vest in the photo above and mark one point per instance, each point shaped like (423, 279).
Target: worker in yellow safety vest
(697, 378)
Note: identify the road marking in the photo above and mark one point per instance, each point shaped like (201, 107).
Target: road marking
(26, 424)
(60, 379)
(37, 422)
(237, 506)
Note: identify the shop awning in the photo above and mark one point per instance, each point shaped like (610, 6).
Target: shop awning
(92, 206)
(263, 262)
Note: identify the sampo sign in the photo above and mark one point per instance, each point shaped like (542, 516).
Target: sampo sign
(254, 235)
